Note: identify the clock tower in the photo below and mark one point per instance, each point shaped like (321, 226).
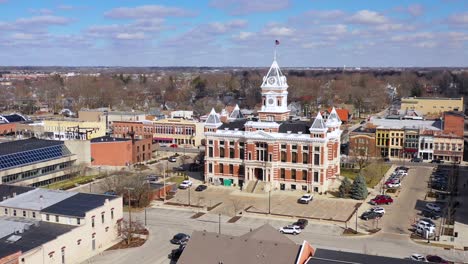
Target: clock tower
(274, 95)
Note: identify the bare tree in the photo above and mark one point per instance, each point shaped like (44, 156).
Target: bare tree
(128, 230)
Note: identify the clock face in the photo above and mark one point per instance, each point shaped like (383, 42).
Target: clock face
(270, 101)
(271, 80)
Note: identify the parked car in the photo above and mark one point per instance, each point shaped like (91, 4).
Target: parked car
(172, 159)
(437, 161)
(180, 239)
(175, 253)
(301, 223)
(416, 160)
(370, 215)
(393, 185)
(290, 229)
(386, 159)
(152, 178)
(378, 209)
(185, 184)
(392, 180)
(430, 214)
(418, 257)
(439, 186)
(436, 259)
(426, 223)
(420, 229)
(201, 188)
(305, 199)
(402, 168)
(381, 199)
(173, 146)
(433, 207)
(111, 192)
(180, 168)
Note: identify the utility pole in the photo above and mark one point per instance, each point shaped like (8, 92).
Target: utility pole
(164, 180)
(129, 207)
(189, 195)
(219, 224)
(269, 201)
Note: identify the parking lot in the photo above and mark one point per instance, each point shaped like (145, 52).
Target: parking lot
(408, 203)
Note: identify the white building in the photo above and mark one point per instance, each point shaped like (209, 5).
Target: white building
(47, 226)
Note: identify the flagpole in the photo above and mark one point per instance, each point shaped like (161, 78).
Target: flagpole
(274, 56)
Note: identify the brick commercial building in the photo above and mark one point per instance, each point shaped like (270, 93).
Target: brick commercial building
(113, 151)
(406, 139)
(273, 152)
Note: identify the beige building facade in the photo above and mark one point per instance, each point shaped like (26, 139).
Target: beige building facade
(432, 105)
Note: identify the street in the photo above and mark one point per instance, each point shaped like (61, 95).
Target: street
(164, 223)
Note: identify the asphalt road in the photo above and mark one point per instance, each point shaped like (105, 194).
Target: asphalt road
(164, 223)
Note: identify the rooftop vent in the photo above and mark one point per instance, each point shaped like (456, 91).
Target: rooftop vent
(12, 239)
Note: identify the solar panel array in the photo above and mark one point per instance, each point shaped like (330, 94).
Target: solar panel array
(33, 156)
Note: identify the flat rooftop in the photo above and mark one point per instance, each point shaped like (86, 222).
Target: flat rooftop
(401, 124)
(10, 191)
(36, 199)
(16, 146)
(34, 236)
(78, 204)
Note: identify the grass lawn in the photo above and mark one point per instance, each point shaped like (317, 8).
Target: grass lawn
(371, 173)
(176, 179)
(67, 184)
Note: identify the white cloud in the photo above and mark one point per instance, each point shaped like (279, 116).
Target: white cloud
(22, 36)
(130, 36)
(41, 11)
(416, 10)
(148, 11)
(459, 19)
(279, 31)
(41, 20)
(243, 35)
(220, 28)
(426, 44)
(338, 29)
(367, 17)
(243, 7)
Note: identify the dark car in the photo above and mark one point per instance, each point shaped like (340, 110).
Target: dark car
(439, 186)
(381, 199)
(416, 160)
(436, 259)
(180, 168)
(180, 239)
(386, 159)
(402, 168)
(175, 253)
(370, 215)
(201, 188)
(437, 161)
(301, 223)
(430, 214)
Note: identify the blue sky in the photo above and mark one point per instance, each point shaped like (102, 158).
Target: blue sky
(234, 32)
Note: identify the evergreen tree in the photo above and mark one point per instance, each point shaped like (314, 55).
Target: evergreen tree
(345, 187)
(359, 188)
